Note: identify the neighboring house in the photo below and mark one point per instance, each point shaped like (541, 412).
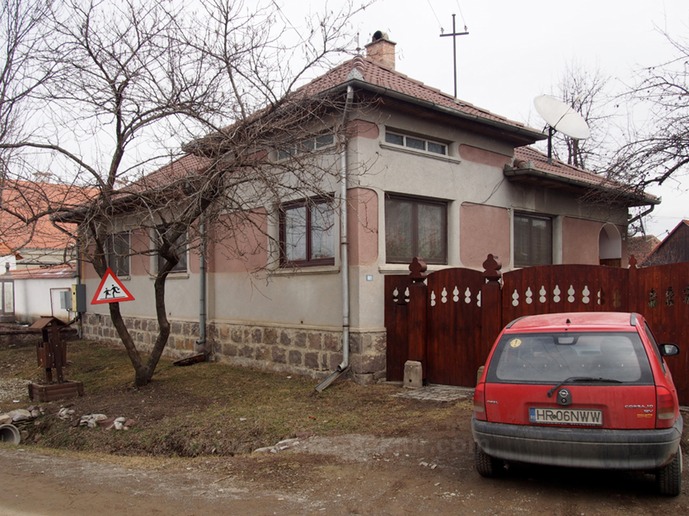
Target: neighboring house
(641, 247)
(442, 179)
(673, 249)
(38, 258)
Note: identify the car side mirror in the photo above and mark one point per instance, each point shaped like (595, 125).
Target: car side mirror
(668, 350)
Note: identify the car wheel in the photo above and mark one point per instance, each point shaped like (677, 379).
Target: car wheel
(486, 465)
(669, 477)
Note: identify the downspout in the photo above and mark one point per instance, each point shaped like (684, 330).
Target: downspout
(201, 341)
(344, 244)
(344, 254)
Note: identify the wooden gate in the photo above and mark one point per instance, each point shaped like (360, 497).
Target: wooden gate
(449, 319)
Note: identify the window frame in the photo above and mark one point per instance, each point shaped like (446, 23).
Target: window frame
(114, 256)
(182, 266)
(408, 138)
(532, 258)
(415, 242)
(308, 204)
(314, 143)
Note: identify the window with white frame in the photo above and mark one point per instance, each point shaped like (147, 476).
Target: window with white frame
(118, 252)
(180, 246)
(415, 142)
(308, 145)
(415, 227)
(307, 232)
(533, 240)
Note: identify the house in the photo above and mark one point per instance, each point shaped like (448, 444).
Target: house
(37, 258)
(642, 246)
(673, 249)
(423, 174)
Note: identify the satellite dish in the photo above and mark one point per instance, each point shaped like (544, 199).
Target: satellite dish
(560, 117)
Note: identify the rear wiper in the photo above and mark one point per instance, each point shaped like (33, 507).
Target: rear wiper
(581, 379)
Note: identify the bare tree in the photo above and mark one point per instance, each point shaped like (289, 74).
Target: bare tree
(157, 73)
(585, 93)
(659, 149)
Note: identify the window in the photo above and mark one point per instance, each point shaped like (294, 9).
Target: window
(415, 143)
(308, 145)
(307, 232)
(415, 227)
(533, 240)
(118, 251)
(181, 248)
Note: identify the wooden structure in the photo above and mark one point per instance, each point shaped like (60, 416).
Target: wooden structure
(51, 354)
(449, 319)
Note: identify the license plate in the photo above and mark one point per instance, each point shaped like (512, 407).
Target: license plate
(558, 416)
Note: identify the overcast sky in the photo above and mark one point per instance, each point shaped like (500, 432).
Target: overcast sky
(517, 50)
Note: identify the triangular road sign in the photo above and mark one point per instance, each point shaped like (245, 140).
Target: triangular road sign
(111, 290)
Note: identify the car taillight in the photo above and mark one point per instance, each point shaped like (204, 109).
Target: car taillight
(666, 408)
(480, 402)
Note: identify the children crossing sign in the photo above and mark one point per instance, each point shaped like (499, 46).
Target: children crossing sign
(111, 290)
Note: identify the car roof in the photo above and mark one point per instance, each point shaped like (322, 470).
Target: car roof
(570, 321)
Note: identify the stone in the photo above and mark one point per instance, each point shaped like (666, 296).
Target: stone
(413, 374)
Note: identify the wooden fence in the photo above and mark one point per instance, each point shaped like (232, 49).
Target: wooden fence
(449, 319)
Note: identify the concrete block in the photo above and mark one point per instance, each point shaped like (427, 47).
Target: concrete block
(413, 374)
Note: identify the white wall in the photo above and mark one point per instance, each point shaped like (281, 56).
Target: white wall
(35, 298)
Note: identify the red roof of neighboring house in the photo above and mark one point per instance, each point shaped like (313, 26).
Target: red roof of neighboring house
(51, 272)
(30, 199)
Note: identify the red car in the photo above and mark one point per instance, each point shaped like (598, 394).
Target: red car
(588, 390)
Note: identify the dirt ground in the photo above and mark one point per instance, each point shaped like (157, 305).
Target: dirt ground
(355, 451)
(429, 473)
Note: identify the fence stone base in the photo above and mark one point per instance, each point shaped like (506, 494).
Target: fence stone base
(307, 351)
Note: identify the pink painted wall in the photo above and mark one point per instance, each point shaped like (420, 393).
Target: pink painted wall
(483, 230)
(244, 248)
(580, 241)
(482, 156)
(362, 219)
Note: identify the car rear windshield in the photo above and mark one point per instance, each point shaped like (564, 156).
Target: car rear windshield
(555, 357)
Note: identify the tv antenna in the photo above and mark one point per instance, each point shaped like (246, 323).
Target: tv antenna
(560, 117)
(454, 35)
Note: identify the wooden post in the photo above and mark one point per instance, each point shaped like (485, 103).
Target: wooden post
(418, 299)
(491, 303)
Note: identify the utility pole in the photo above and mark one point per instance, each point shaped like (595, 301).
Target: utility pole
(454, 35)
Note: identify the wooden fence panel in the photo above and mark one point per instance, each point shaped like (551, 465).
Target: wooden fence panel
(453, 343)
(563, 288)
(397, 297)
(661, 294)
(448, 329)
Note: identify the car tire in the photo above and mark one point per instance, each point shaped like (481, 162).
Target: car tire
(486, 466)
(669, 477)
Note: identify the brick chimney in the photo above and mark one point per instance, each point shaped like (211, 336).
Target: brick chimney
(381, 50)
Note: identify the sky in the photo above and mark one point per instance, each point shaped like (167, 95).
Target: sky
(517, 50)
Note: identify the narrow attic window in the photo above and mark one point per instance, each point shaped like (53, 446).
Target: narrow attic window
(308, 145)
(416, 143)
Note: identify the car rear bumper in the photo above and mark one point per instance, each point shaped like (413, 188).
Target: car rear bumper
(579, 447)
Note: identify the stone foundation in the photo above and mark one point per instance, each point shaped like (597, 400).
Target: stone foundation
(307, 351)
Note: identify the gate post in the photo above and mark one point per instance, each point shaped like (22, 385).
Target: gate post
(417, 311)
(491, 304)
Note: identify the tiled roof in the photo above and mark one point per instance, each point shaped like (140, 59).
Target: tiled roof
(176, 170)
(28, 198)
(532, 163)
(52, 272)
(367, 72)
